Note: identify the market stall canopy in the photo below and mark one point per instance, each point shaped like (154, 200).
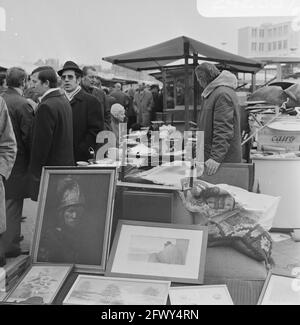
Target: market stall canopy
(162, 54)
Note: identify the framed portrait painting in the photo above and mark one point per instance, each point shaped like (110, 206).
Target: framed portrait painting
(99, 290)
(39, 285)
(74, 217)
(280, 290)
(159, 251)
(200, 295)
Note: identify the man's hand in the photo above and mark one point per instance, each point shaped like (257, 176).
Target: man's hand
(211, 166)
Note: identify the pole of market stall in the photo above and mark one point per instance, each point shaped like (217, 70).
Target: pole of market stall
(196, 88)
(186, 49)
(164, 80)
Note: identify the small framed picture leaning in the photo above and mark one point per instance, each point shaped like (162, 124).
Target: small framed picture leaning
(200, 295)
(39, 285)
(99, 290)
(280, 289)
(74, 217)
(158, 251)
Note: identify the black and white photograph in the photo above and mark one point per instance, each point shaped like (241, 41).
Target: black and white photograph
(75, 217)
(152, 140)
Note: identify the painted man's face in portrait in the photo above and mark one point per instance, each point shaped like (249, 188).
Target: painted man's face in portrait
(73, 215)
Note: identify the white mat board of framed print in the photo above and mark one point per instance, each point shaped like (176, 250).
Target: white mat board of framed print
(200, 295)
(99, 290)
(39, 285)
(280, 290)
(74, 217)
(159, 251)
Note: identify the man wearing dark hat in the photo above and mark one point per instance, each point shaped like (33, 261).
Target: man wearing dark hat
(87, 114)
(52, 139)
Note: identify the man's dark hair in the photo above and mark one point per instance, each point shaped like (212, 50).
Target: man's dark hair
(2, 78)
(15, 77)
(42, 68)
(49, 75)
(86, 68)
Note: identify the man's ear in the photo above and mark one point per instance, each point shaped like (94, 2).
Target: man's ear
(47, 83)
(79, 80)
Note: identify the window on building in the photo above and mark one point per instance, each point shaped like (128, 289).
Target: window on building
(261, 47)
(269, 47)
(285, 42)
(280, 30)
(285, 29)
(279, 45)
(270, 32)
(261, 33)
(253, 46)
(254, 32)
(274, 46)
(274, 32)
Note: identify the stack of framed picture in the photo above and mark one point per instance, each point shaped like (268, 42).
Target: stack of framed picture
(72, 230)
(71, 259)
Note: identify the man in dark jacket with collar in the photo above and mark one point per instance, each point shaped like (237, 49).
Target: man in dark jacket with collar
(219, 117)
(87, 114)
(16, 187)
(52, 140)
(88, 84)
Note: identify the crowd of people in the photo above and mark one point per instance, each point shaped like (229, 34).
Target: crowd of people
(52, 118)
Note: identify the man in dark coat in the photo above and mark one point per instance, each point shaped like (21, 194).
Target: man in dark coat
(87, 114)
(88, 84)
(16, 187)
(120, 97)
(8, 152)
(219, 117)
(52, 143)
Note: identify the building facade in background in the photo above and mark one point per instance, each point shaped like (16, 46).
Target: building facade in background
(269, 40)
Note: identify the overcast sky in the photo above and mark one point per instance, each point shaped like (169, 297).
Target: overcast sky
(87, 30)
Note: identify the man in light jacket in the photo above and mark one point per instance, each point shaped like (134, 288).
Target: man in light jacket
(8, 152)
(219, 117)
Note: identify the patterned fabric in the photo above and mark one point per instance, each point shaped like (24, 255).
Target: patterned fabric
(228, 223)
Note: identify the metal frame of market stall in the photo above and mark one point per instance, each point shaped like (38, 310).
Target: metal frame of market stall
(160, 56)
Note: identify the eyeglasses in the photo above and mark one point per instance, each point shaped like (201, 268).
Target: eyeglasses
(67, 76)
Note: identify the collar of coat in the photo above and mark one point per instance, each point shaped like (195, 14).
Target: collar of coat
(54, 93)
(225, 78)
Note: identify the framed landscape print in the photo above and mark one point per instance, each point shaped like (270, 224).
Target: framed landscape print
(200, 295)
(280, 290)
(74, 217)
(39, 285)
(99, 290)
(158, 251)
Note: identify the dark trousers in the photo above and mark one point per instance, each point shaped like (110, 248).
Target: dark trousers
(12, 236)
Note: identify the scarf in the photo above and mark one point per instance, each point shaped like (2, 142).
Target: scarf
(71, 95)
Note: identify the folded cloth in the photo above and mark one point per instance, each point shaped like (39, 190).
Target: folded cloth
(227, 221)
